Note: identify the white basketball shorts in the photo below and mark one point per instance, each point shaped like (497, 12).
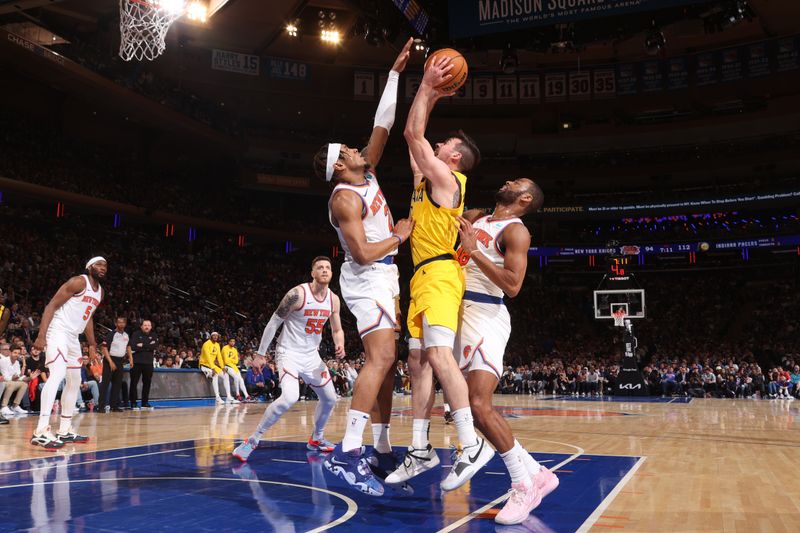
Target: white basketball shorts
(309, 367)
(371, 294)
(482, 336)
(62, 345)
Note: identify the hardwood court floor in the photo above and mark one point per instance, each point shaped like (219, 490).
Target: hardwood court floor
(707, 465)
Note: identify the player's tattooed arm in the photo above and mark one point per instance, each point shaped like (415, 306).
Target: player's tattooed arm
(289, 303)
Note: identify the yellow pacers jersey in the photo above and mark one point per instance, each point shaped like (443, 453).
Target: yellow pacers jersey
(436, 229)
(230, 356)
(211, 357)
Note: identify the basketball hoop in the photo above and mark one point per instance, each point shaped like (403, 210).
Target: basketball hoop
(619, 317)
(143, 26)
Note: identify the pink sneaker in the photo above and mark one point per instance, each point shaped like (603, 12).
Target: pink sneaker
(525, 497)
(545, 481)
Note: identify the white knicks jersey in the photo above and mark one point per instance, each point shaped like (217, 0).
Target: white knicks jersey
(487, 233)
(76, 312)
(302, 329)
(375, 213)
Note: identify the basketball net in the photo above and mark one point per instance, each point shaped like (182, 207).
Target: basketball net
(619, 317)
(143, 26)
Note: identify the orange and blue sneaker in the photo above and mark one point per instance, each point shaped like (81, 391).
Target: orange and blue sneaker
(321, 445)
(352, 468)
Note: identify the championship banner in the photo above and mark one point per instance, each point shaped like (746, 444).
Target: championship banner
(235, 62)
(731, 68)
(757, 60)
(481, 17)
(677, 73)
(652, 76)
(627, 80)
(788, 53)
(706, 69)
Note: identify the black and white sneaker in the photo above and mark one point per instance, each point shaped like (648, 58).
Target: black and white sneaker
(468, 462)
(72, 437)
(47, 440)
(415, 462)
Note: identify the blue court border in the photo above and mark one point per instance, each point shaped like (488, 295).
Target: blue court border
(197, 486)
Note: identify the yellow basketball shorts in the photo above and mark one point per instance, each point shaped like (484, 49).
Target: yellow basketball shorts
(436, 292)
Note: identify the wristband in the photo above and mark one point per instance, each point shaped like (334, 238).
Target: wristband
(399, 239)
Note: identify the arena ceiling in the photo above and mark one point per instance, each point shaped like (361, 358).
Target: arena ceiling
(373, 30)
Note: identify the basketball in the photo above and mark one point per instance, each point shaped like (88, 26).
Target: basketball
(458, 72)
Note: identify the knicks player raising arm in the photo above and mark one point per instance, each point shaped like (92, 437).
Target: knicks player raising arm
(348, 209)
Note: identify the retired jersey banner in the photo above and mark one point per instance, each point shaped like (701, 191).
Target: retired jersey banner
(481, 17)
(235, 62)
(788, 53)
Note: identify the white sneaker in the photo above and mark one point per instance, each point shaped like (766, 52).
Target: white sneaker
(5, 411)
(415, 462)
(220, 401)
(471, 459)
(20, 411)
(232, 401)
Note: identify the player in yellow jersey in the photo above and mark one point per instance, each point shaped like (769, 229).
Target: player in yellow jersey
(212, 365)
(230, 358)
(437, 286)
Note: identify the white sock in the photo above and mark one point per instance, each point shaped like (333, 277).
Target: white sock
(65, 424)
(446, 407)
(354, 434)
(380, 438)
(227, 384)
(530, 463)
(419, 433)
(515, 466)
(465, 427)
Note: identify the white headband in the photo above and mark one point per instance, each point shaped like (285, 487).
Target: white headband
(94, 260)
(334, 151)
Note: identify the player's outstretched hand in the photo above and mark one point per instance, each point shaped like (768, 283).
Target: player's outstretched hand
(403, 228)
(339, 352)
(438, 72)
(402, 57)
(467, 234)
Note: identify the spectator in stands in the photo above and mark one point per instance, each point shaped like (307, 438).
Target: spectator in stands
(668, 383)
(15, 384)
(90, 389)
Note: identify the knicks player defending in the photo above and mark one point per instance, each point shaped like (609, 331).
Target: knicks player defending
(437, 286)
(369, 281)
(304, 311)
(68, 314)
(494, 252)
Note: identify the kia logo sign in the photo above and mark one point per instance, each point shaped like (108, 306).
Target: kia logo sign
(631, 386)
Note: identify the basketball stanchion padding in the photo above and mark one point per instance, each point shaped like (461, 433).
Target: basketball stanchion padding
(458, 72)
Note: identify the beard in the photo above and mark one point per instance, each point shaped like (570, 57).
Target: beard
(506, 197)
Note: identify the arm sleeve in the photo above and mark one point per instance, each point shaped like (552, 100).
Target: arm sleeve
(384, 116)
(269, 333)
